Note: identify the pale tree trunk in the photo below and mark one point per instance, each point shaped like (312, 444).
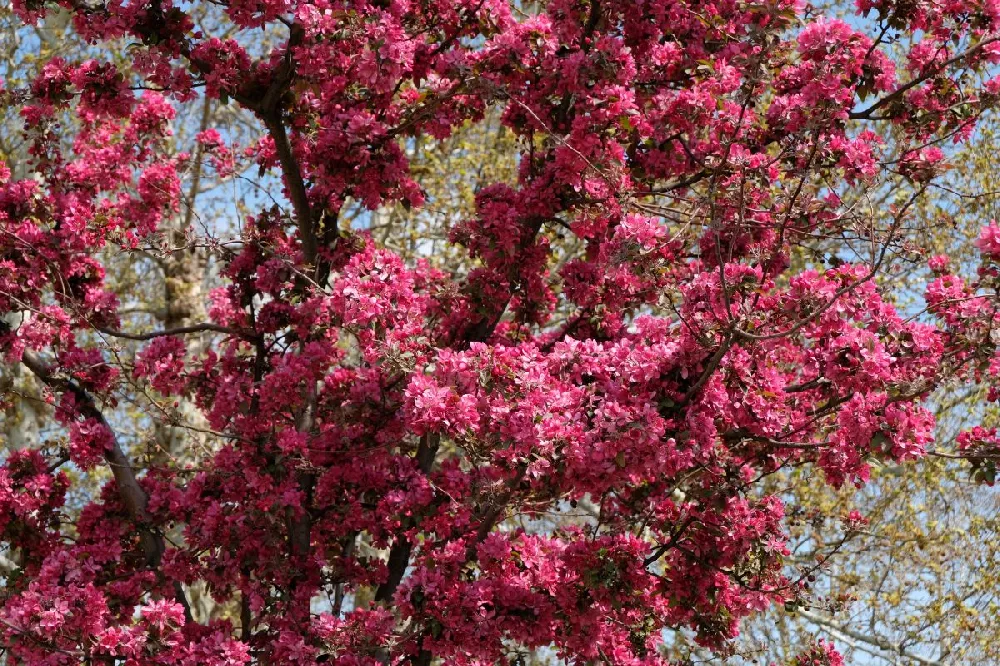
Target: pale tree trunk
(184, 273)
(180, 432)
(22, 419)
(25, 413)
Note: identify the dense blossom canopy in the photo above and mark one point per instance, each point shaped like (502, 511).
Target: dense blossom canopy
(632, 331)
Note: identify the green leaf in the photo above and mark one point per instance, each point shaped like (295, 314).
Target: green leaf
(879, 442)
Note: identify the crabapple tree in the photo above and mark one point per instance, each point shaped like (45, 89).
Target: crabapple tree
(558, 441)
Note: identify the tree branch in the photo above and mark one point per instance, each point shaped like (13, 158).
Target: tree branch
(180, 330)
(399, 555)
(131, 493)
(866, 114)
(849, 635)
(296, 185)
